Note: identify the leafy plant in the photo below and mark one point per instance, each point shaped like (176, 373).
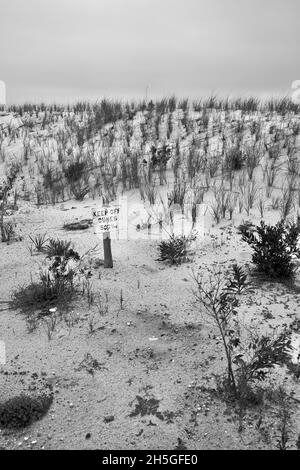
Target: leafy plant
(56, 286)
(248, 359)
(62, 248)
(220, 305)
(238, 280)
(275, 247)
(41, 296)
(19, 412)
(175, 249)
(39, 241)
(265, 352)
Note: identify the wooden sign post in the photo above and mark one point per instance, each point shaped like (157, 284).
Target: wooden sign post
(108, 260)
(107, 219)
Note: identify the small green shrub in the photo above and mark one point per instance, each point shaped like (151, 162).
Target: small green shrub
(41, 296)
(57, 280)
(175, 249)
(60, 248)
(19, 412)
(275, 247)
(56, 286)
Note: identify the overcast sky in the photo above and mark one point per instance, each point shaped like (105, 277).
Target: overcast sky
(66, 50)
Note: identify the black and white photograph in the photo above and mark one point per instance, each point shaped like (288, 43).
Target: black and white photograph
(149, 228)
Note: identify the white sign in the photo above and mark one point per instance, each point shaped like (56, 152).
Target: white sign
(2, 93)
(107, 219)
(296, 93)
(2, 353)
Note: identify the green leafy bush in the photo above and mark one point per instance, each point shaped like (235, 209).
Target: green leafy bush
(275, 247)
(174, 249)
(57, 282)
(41, 296)
(60, 248)
(19, 412)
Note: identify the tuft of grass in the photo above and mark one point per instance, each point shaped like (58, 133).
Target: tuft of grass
(177, 195)
(39, 241)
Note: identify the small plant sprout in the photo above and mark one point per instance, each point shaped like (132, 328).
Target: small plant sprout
(121, 300)
(50, 322)
(261, 204)
(238, 281)
(92, 321)
(284, 419)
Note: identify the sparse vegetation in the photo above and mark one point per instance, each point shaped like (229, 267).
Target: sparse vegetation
(248, 359)
(202, 166)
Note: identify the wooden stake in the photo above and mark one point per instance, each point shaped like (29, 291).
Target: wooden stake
(108, 260)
